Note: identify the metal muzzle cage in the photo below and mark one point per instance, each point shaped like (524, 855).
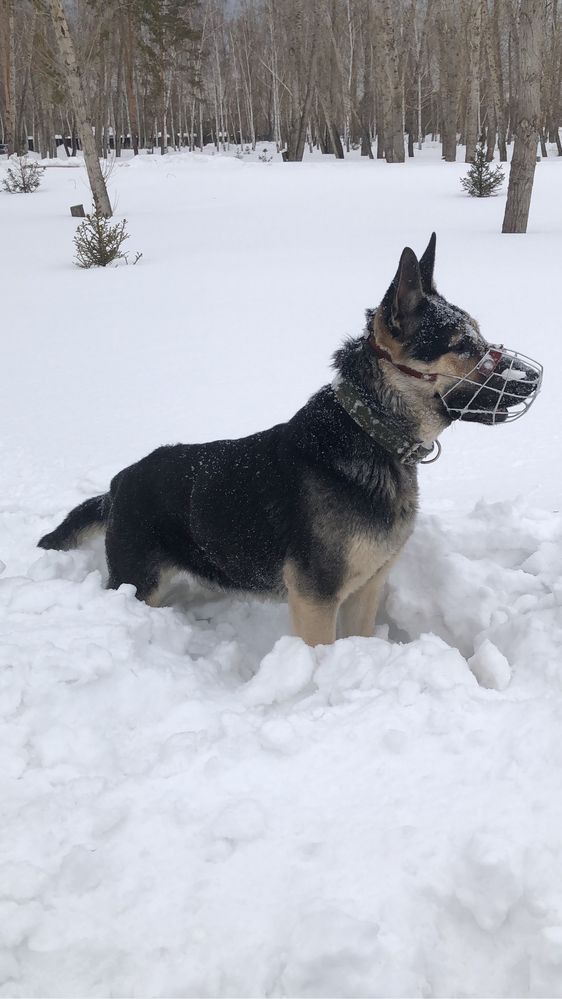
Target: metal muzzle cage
(500, 387)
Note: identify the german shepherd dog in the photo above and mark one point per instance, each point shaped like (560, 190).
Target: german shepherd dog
(316, 509)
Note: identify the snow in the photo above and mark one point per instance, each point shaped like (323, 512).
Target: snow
(194, 803)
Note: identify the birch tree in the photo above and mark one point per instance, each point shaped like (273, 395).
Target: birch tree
(303, 31)
(474, 24)
(530, 17)
(8, 56)
(449, 37)
(490, 32)
(394, 148)
(75, 89)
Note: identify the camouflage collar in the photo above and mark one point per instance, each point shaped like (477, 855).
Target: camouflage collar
(378, 426)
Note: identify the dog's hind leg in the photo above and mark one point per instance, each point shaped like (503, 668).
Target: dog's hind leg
(135, 558)
(155, 597)
(150, 578)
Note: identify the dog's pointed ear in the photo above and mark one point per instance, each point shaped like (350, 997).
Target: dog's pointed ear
(408, 291)
(427, 263)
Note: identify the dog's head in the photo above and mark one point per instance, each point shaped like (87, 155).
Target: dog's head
(439, 355)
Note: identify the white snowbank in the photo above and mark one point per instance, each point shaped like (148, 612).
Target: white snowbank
(180, 817)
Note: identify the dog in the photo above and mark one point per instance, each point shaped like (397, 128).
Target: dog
(315, 510)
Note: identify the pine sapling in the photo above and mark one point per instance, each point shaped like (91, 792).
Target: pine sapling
(23, 176)
(482, 180)
(98, 242)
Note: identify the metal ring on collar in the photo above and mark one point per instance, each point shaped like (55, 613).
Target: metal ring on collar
(429, 461)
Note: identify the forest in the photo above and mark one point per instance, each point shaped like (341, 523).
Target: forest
(334, 75)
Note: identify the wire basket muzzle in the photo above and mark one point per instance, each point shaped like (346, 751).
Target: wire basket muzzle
(500, 388)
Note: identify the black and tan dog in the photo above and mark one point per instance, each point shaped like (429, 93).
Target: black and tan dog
(315, 509)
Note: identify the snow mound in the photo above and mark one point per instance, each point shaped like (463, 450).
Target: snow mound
(350, 820)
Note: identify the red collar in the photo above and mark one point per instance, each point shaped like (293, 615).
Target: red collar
(380, 352)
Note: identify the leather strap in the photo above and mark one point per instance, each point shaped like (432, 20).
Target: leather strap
(384, 354)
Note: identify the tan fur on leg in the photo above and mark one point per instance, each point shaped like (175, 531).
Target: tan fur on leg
(358, 612)
(155, 597)
(314, 622)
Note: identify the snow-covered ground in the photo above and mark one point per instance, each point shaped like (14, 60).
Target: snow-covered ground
(192, 803)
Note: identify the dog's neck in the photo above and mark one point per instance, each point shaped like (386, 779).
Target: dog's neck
(408, 400)
(387, 430)
(421, 409)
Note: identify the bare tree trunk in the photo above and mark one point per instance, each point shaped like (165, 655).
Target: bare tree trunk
(118, 124)
(382, 94)
(303, 60)
(395, 145)
(274, 77)
(531, 34)
(491, 124)
(8, 50)
(474, 25)
(353, 113)
(22, 139)
(163, 114)
(514, 70)
(489, 30)
(421, 47)
(247, 82)
(128, 52)
(367, 101)
(100, 130)
(410, 78)
(171, 113)
(74, 84)
(334, 136)
(52, 139)
(449, 60)
(554, 70)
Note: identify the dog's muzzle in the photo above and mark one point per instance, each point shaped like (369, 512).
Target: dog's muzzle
(500, 388)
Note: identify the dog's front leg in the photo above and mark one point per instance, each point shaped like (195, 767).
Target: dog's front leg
(313, 617)
(358, 612)
(313, 621)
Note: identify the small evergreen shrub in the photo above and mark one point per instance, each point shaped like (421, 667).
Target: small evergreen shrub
(482, 179)
(98, 242)
(23, 177)
(265, 156)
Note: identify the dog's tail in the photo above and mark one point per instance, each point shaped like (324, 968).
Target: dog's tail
(88, 516)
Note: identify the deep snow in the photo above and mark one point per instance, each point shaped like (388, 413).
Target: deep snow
(193, 803)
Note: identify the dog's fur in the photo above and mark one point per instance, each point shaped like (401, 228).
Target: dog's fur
(313, 509)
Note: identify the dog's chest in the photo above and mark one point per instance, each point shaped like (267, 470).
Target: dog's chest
(368, 552)
(380, 526)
